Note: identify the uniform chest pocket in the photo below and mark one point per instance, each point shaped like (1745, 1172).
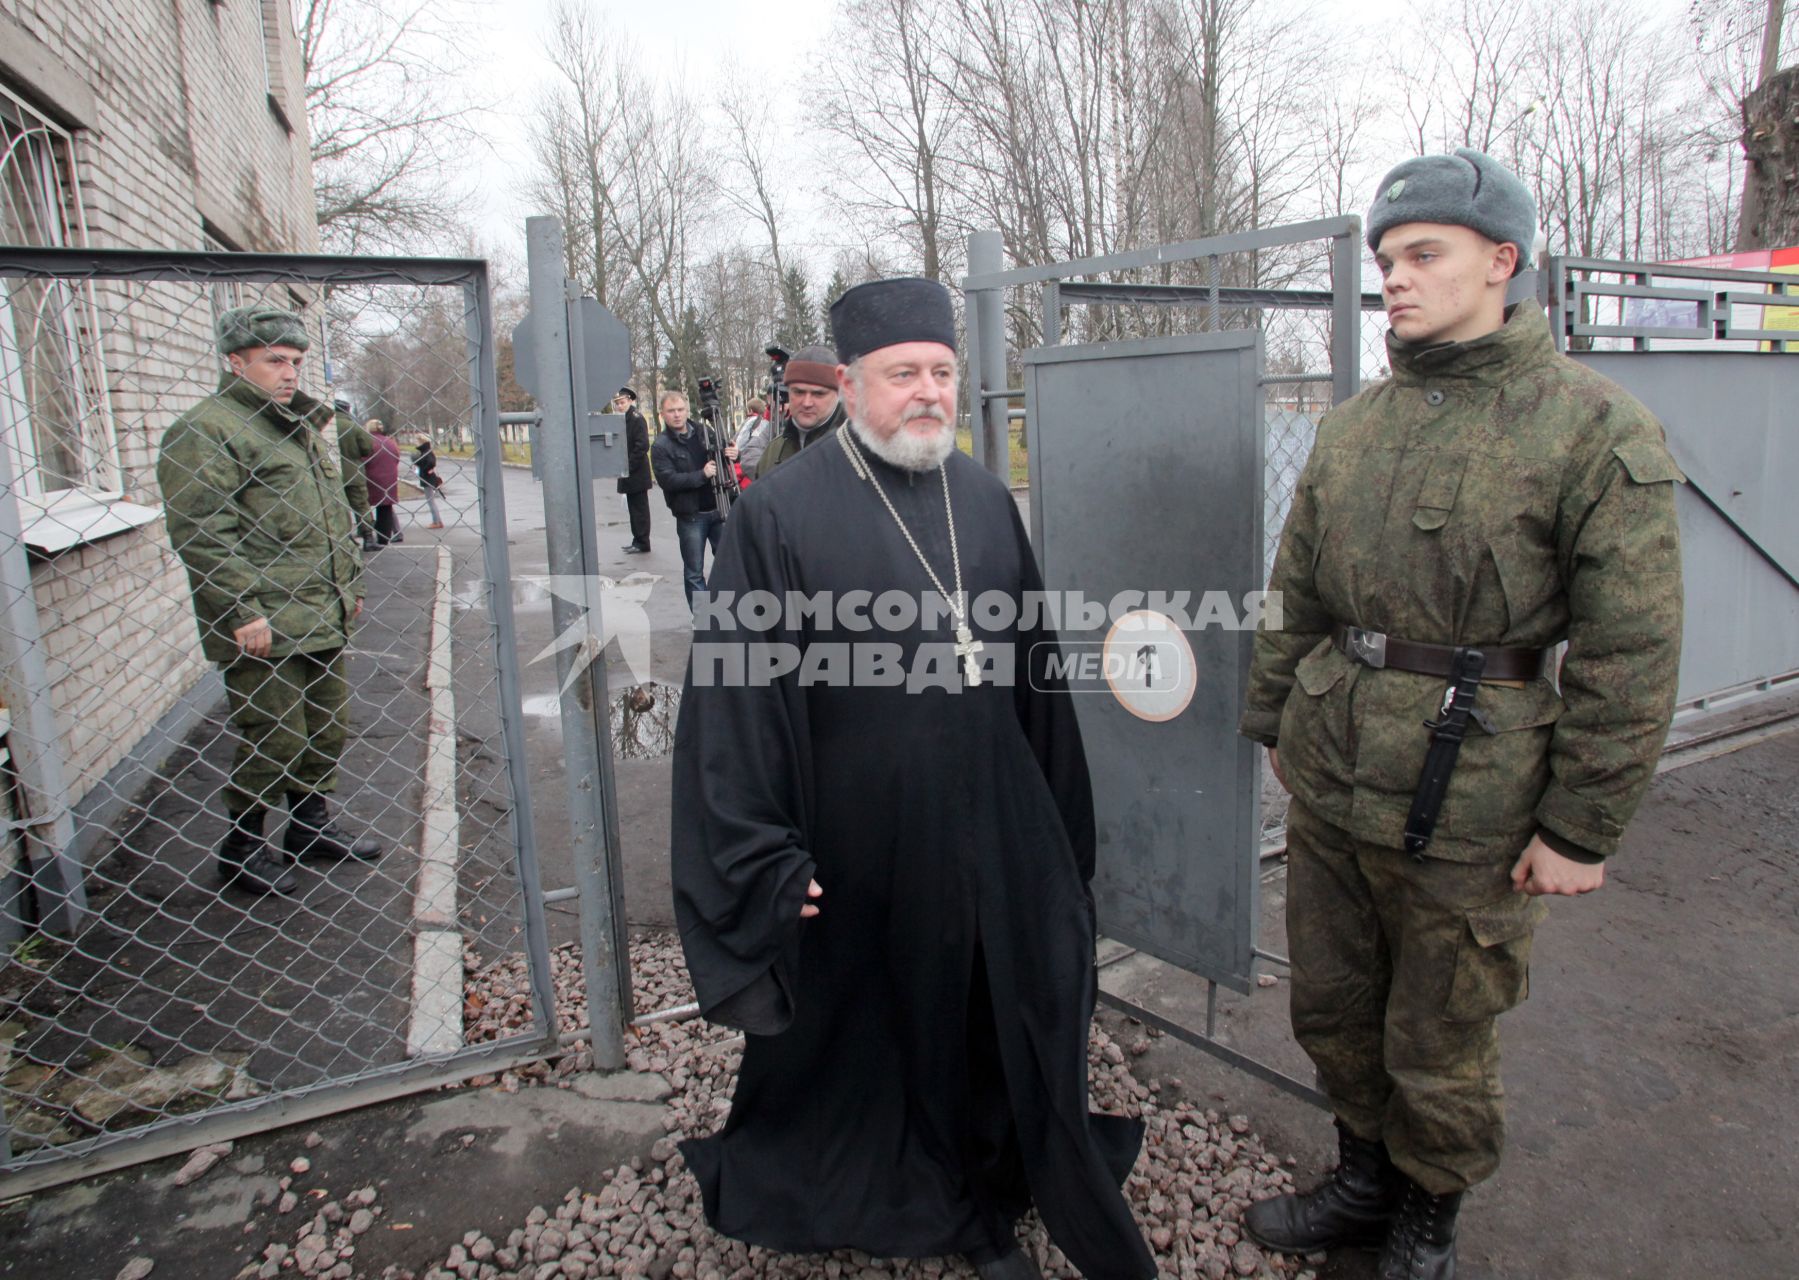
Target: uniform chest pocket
(1442, 482)
(271, 502)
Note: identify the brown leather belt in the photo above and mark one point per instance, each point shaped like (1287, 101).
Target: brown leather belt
(1374, 649)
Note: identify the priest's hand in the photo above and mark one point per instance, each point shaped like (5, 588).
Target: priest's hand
(1542, 870)
(812, 891)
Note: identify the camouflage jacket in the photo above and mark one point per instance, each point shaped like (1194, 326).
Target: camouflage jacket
(354, 445)
(254, 501)
(1491, 492)
(788, 441)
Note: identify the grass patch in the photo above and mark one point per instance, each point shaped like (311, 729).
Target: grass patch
(519, 453)
(1021, 463)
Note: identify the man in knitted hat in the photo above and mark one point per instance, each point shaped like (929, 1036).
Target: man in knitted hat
(814, 409)
(1454, 523)
(882, 843)
(255, 504)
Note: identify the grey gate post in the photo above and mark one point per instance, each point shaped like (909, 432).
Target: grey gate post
(36, 744)
(988, 397)
(574, 556)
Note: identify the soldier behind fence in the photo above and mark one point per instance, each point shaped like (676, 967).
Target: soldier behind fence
(1491, 499)
(256, 508)
(354, 445)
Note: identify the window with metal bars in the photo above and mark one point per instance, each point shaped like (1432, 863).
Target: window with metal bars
(55, 414)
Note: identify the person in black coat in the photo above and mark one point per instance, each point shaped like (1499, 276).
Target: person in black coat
(635, 484)
(424, 465)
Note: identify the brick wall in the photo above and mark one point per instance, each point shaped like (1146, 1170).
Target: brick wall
(189, 130)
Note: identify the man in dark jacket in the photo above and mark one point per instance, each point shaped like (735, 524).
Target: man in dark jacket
(635, 484)
(814, 409)
(685, 469)
(255, 505)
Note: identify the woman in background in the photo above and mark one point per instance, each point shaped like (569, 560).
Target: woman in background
(424, 464)
(382, 467)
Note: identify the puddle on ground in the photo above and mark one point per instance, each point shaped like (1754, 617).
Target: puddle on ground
(472, 594)
(643, 721)
(643, 718)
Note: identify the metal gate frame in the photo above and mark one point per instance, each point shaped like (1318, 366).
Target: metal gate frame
(1681, 371)
(179, 1133)
(989, 393)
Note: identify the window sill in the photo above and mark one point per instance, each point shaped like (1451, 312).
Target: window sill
(77, 521)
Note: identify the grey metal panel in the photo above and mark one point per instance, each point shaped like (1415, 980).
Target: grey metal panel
(1141, 456)
(1729, 416)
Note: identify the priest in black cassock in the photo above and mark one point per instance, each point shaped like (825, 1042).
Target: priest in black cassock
(882, 845)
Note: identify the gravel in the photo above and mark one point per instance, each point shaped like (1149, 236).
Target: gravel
(643, 1221)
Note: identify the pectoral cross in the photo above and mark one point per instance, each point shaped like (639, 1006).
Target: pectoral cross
(966, 649)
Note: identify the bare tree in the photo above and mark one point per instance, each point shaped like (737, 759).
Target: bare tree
(750, 157)
(622, 159)
(882, 100)
(390, 122)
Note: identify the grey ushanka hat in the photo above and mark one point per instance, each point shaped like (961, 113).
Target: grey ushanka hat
(1467, 189)
(243, 327)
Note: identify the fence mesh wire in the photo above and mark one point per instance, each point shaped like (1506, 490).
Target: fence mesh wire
(185, 986)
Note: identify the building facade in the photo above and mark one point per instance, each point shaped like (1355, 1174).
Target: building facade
(124, 124)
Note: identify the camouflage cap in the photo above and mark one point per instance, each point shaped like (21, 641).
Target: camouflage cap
(243, 327)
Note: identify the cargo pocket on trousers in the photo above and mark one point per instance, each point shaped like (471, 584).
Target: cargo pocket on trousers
(1492, 960)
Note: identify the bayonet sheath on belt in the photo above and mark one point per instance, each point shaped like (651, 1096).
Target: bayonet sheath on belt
(1446, 734)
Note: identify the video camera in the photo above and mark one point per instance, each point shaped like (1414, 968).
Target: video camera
(708, 398)
(777, 378)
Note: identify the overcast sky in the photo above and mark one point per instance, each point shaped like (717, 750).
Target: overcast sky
(780, 40)
(695, 35)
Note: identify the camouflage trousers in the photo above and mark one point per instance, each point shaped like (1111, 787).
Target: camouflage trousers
(1400, 971)
(291, 716)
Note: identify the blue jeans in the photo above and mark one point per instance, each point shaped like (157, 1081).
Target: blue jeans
(694, 532)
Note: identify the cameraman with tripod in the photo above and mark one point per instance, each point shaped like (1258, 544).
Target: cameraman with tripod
(698, 490)
(814, 411)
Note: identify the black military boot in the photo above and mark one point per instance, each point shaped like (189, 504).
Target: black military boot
(1421, 1245)
(312, 834)
(1354, 1206)
(247, 862)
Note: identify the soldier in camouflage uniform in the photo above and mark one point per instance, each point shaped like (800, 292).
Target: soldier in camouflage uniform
(256, 509)
(1492, 493)
(354, 446)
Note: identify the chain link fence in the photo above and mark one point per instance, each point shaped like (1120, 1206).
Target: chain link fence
(263, 778)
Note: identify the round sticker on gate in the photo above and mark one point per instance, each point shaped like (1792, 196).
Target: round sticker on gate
(1149, 665)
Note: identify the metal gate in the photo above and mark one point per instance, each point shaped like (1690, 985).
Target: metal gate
(145, 1007)
(1163, 454)
(1178, 804)
(1707, 350)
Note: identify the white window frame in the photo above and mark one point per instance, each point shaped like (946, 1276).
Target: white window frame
(44, 154)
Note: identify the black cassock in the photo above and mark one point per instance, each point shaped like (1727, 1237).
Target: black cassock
(915, 1070)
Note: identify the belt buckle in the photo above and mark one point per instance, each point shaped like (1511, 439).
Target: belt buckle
(1368, 647)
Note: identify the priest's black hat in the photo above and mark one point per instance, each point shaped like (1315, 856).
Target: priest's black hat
(883, 313)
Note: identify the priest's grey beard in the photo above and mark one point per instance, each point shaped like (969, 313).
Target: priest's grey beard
(908, 450)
